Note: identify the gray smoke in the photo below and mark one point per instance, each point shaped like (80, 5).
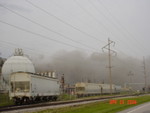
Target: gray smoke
(78, 66)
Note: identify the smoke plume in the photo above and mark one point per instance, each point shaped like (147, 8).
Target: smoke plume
(77, 66)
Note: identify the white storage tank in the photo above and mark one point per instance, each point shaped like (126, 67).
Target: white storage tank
(16, 64)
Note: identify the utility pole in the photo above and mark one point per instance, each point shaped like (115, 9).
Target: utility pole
(145, 76)
(110, 52)
(130, 74)
(62, 83)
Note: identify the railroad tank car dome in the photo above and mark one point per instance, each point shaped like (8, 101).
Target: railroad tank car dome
(16, 64)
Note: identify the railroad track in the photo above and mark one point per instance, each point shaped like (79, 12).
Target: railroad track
(11, 108)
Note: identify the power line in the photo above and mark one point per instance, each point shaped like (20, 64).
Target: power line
(100, 12)
(82, 21)
(50, 14)
(15, 45)
(10, 45)
(40, 35)
(99, 22)
(108, 19)
(91, 15)
(118, 21)
(46, 28)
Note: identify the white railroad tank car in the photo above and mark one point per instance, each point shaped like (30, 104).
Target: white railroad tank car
(86, 89)
(30, 87)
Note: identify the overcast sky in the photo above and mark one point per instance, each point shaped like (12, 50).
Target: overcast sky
(48, 26)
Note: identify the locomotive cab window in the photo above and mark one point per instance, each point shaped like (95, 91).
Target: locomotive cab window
(20, 86)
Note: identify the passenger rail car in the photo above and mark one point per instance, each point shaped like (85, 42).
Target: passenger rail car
(29, 87)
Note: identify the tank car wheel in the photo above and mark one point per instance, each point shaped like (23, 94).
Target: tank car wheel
(49, 98)
(54, 98)
(26, 100)
(17, 101)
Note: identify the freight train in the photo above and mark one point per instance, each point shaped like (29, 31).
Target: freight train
(87, 89)
(28, 87)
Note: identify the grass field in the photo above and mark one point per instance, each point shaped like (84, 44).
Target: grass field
(99, 107)
(73, 97)
(4, 100)
(66, 97)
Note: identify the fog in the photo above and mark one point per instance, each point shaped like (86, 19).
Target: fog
(77, 66)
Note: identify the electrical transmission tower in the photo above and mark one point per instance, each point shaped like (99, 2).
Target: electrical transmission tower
(110, 53)
(145, 76)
